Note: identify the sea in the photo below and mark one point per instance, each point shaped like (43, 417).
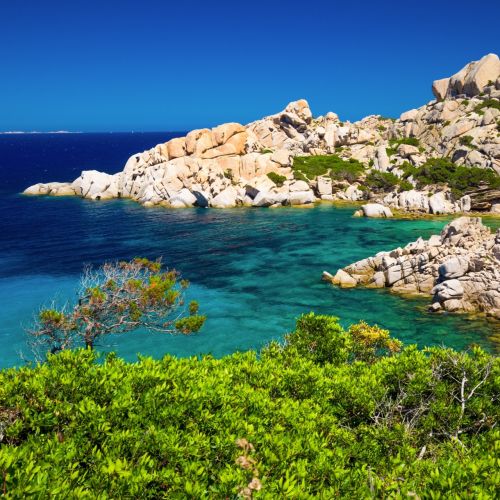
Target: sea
(253, 271)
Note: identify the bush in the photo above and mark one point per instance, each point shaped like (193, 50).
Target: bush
(313, 166)
(459, 178)
(405, 185)
(466, 140)
(277, 178)
(116, 298)
(381, 181)
(329, 413)
(411, 141)
(488, 103)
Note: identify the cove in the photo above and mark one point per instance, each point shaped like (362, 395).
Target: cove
(252, 270)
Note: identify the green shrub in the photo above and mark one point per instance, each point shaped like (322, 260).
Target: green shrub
(405, 185)
(381, 181)
(277, 178)
(329, 413)
(266, 150)
(466, 140)
(458, 178)
(411, 141)
(488, 103)
(339, 169)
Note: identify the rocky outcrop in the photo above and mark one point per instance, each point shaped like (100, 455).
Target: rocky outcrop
(459, 269)
(228, 165)
(470, 80)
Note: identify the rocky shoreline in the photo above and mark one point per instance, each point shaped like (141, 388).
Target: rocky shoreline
(379, 160)
(459, 269)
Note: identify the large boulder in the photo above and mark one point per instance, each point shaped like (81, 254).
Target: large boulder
(376, 210)
(184, 198)
(226, 198)
(97, 185)
(470, 80)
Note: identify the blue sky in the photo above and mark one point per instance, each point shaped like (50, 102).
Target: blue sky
(160, 65)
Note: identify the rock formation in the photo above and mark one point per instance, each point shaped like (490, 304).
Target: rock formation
(229, 165)
(460, 269)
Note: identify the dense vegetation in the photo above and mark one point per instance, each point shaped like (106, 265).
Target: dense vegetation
(328, 413)
(385, 181)
(310, 167)
(459, 178)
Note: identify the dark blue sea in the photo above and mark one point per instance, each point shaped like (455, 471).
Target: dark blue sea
(252, 270)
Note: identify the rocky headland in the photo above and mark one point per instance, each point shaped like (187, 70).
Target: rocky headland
(441, 158)
(459, 269)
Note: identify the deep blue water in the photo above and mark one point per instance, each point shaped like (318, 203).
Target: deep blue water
(252, 270)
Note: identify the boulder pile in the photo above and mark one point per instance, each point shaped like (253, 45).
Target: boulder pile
(233, 164)
(459, 269)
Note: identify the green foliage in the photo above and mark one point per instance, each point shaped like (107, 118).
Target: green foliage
(488, 103)
(277, 178)
(228, 174)
(411, 141)
(405, 185)
(265, 150)
(381, 181)
(331, 413)
(118, 298)
(310, 167)
(466, 140)
(458, 178)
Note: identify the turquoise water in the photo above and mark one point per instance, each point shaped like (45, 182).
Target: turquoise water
(252, 270)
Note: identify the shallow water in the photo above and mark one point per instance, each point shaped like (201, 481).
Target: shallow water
(252, 270)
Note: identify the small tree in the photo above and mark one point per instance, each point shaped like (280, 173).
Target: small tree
(117, 298)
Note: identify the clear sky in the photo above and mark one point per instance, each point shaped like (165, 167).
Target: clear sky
(158, 65)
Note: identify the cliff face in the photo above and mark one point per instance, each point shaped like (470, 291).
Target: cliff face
(459, 269)
(229, 165)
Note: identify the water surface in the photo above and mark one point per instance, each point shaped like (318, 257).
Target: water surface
(252, 270)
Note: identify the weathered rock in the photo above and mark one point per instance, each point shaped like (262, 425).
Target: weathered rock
(184, 198)
(225, 199)
(207, 161)
(459, 269)
(376, 210)
(470, 80)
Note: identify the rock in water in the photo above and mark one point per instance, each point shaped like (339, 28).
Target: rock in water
(459, 269)
(376, 210)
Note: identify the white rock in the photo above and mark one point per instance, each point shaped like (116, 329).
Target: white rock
(454, 267)
(184, 198)
(302, 197)
(376, 210)
(296, 186)
(225, 199)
